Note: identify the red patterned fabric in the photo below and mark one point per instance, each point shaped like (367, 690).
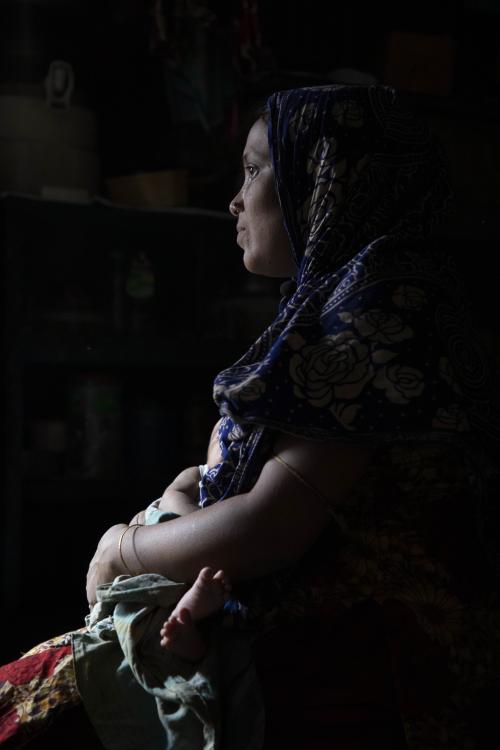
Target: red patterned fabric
(34, 690)
(35, 667)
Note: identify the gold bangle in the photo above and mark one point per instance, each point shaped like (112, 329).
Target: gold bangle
(135, 550)
(303, 481)
(120, 551)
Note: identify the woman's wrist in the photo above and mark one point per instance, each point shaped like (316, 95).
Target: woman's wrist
(105, 564)
(111, 557)
(127, 551)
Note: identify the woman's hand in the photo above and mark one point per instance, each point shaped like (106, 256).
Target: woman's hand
(106, 563)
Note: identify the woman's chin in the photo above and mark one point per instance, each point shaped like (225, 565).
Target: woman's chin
(249, 263)
(253, 267)
(254, 262)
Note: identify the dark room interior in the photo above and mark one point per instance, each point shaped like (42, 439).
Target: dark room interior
(121, 129)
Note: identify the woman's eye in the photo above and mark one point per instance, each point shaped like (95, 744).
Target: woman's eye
(251, 170)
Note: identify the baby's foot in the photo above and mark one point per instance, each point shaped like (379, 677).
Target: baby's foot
(180, 635)
(207, 595)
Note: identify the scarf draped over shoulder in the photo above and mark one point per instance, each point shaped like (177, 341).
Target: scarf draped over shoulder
(374, 342)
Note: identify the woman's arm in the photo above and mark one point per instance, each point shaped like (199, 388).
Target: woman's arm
(248, 535)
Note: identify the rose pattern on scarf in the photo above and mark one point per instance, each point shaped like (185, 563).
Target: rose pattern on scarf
(248, 390)
(453, 418)
(409, 297)
(349, 113)
(251, 389)
(336, 367)
(464, 351)
(345, 414)
(401, 383)
(378, 325)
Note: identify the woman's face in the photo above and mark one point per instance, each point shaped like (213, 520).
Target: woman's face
(261, 231)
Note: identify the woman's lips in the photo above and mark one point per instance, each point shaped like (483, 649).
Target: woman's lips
(239, 232)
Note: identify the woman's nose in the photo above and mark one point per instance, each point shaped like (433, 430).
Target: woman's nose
(235, 206)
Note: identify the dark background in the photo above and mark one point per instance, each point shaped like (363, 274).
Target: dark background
(175, 86)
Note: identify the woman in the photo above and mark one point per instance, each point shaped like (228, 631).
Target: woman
(356, 440)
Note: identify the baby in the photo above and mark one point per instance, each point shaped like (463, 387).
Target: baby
(208, 594)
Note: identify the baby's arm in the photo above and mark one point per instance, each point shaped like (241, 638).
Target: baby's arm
(182, 495)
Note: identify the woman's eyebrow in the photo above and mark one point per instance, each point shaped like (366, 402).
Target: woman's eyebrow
(252, 154)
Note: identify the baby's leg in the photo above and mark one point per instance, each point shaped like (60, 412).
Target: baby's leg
(206, 596)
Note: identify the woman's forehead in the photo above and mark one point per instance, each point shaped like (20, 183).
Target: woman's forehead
(257, 141)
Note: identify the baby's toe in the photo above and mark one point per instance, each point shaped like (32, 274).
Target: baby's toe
(184, 617)
(221, 577)
(171, 625)
(206, 575)
(223, 580)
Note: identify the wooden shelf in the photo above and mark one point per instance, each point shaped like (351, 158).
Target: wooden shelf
(119, 350)
(102, 208)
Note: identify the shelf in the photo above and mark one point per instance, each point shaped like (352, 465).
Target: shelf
(118, 350)
(101, 207)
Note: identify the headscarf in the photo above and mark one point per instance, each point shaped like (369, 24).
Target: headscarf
(374, 343)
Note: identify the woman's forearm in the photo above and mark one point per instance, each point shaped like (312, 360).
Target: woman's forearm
(221, 536)
(249, 535)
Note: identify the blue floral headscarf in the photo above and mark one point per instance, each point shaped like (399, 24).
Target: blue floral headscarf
(374, 342)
